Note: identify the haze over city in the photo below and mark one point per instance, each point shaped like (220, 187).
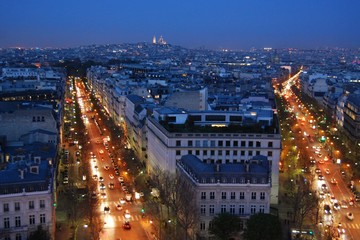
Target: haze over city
(233, 25)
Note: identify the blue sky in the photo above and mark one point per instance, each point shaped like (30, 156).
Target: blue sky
(232, 24)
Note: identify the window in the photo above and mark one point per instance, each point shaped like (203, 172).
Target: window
(236, 143)
(205, 143)
(228, 143)
(32, 220)
(212, 152)
(232, 209)
(203, 195)
(262, 195)
(262, 209)
(6, 222)
(211, 209)
(43, 119)
(31, 205)
(241, 209)
(212, 143)
(197, 143)
(17, 221)
(242, 153)
(251, 143)
(202, 226)
(253, 195)
(212, 195)
(197, 152)
(235, 152)
(258, 144)
(242, 195)
(220, 143)
(223, 208)
(6, 207)
(18, 236)
(42, 218)
(34, 119)
(252, 209)
(178, 152)
(250, 153)
(203, 210)
(270, 144)
(223, 195)
(17, 206)
(189, 151)
(205, 152)
(190, 143)
(178, 143)
(269, 153)
(42, 203)
(227, 152)
(232, 195)
(257, 153)
(220, 152)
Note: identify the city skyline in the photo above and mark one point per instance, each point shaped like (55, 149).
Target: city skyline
(211, 24)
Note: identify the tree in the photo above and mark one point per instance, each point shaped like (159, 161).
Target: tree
(304, 203)
(39, 234)
(224, 225)
(263, 226)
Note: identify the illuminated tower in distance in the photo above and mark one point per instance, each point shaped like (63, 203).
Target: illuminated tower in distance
(154, 40)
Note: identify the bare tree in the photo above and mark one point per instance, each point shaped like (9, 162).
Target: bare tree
(304, 203)
(175, 193)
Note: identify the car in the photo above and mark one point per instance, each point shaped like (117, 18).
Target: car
(321, 161)
(96, 168)
(101, 151)
(327, 209)
(101, 179)
(333, 199)
(321, 177)
(103, 195)
(111, 185)
(77, 153)
(111, 176)
(336, 206)
(344, 204)
(327, 171)
(127, 225)
(318, 170)
(106, 167)
(94, 195)
(121, 179)
(350, 216)
(122, 201)
(117, 173)
(351, 202)
(106, 209)
(333, 181)
(95, 177)
(124, 188)
(324, 187)
(102, 186)
(321, 194)
(127, 214)
(119, 207)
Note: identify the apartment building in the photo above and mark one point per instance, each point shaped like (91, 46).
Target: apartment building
(215, 137)
(240, 189)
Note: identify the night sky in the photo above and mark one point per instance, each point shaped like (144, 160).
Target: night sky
(230, 24)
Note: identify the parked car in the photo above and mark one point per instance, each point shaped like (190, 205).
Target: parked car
(350, 216)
